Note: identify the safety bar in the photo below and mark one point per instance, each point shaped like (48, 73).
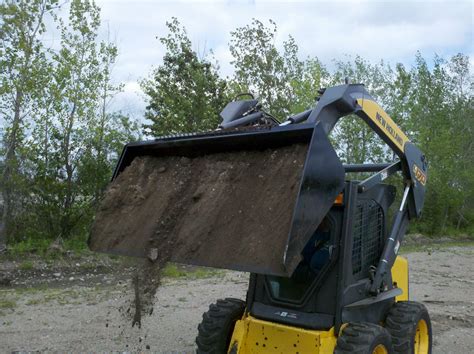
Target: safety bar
(370, 167)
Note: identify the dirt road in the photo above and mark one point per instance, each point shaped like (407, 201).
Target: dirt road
(79, 311)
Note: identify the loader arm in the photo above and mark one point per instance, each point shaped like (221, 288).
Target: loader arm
(339, 101)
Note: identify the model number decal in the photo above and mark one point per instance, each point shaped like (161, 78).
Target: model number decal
(286, 314)
(419, 174)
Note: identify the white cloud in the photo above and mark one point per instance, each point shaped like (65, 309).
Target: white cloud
(130, 101)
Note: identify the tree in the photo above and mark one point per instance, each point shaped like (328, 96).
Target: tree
(74, 141)
(262, 69)
(185, 93)
(463, 112)
(314, 76)
(76, 79)
(356, 142)
(434, 106)
(22, 77)
(60, 142)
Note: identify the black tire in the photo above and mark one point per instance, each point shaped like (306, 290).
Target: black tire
(217, 326)
(403, 322)
(363, 338)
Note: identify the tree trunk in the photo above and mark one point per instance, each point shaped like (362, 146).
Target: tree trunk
(68, 199)
(445, 220)
(460, 218)
(8, 172)
(7, 182)
(100, 146)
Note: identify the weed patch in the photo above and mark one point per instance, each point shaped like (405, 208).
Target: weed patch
(172, 271)
(7, 304)
(26, 265)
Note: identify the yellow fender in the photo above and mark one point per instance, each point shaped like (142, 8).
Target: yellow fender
(252, 335)
(400, 277)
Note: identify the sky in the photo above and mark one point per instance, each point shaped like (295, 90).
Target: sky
(390, 30)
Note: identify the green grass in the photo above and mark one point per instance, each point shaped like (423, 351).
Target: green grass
(28, 252)
(23, 247)
(30, 290)
(26, 265)
(7, 304)
(172, 271)
(65, 296)
(34, 302)
(41, 247)
(76, 244)
(175, 272)
(433, 246)
(62, 297)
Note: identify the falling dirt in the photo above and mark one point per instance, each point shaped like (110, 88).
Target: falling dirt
(145, 283)
(216, 210)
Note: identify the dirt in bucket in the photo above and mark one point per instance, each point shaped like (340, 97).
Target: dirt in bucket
(228, 210)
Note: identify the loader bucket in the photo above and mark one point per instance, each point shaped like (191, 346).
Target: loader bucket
(245, 200)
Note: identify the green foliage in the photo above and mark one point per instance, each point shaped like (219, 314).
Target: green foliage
(441, 120)
(185, 93)
(262, 69)
(173, 271)
(314, 76)
(355, 141)
(26, 265)
(65, 141)
(432, 103)
(23, 73)
(35, 245)
(7, 304)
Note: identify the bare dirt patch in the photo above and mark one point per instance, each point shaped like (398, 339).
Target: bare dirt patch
(443, 279)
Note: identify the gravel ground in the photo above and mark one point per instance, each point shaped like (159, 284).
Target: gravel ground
(76, 310)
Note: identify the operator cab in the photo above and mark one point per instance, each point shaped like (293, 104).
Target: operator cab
(309, 298)
(316, 256)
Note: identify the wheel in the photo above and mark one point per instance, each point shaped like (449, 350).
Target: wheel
(409, 324)
(364, 338)
(217, 326)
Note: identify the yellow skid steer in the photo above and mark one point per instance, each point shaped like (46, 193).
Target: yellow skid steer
(273, 199)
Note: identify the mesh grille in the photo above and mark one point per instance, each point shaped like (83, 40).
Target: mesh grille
(367, 236)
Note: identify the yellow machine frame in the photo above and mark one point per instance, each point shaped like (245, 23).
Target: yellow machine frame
(252, 335)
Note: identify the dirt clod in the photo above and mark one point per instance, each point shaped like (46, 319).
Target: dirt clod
(153, 254)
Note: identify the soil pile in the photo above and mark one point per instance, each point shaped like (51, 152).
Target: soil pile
(228, 210)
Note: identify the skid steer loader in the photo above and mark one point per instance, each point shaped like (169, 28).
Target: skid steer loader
(273, 199)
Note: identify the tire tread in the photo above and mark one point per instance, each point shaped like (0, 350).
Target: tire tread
(359, 337)
(217, 322)
(401, 322)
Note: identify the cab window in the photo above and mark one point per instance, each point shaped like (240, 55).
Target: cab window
(315, 256)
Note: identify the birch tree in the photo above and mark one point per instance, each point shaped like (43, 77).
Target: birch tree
(23, 72)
